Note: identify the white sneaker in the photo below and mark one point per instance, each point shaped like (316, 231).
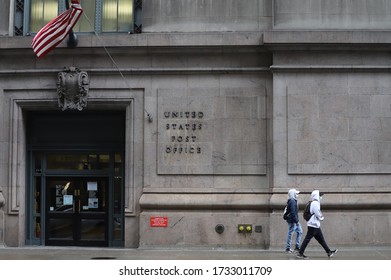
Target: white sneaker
(332, 253)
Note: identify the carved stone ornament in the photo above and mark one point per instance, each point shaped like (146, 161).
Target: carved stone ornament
(2, 201)
(72, 89)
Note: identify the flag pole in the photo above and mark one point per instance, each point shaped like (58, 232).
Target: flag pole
(72, 38)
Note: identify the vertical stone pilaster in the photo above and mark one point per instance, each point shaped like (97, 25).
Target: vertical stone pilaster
(2, 203)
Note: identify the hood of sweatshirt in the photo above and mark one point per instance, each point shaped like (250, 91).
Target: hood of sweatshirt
(315, 195)
(292, 193)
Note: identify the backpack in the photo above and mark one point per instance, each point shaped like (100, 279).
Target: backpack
(307, 212)
(286, 214)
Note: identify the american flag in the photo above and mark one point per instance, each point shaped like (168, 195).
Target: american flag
(55, 31)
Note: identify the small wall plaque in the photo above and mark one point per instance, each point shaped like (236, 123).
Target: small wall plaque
(158, 221)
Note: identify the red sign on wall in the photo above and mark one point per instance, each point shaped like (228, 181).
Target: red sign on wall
(158, 221)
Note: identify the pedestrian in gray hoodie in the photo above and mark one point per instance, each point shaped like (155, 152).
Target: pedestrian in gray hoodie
(313, 227)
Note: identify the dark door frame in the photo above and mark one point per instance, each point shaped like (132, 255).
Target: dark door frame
(36, 155)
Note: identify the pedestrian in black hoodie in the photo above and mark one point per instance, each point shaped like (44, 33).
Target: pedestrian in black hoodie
(293, 221)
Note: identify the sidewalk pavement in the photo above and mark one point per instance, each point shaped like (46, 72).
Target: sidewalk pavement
(81, 253)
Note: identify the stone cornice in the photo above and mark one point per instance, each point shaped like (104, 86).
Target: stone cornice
(198, 39)
(341, 201)
(142, 71)
(260, 201)
(327, 37)
(216, 39)
(330, 68)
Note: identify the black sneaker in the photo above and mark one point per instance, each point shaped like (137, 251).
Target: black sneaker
(288, 251)
(332, 253)
(301, 256)
(297, 249)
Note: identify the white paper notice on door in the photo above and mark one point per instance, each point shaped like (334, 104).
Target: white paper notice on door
(92, 186)
(93, 203)
(68, 199)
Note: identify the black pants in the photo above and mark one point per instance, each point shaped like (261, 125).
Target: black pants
(317, 233)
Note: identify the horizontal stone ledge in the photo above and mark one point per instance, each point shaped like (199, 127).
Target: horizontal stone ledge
(340, 201)
(275, 37)
(208, 201)
(260, 201)
(174, 39)
(203, 190)
(328, 68)
(105, 71)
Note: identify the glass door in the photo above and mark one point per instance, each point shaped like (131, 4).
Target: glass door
(76, 211)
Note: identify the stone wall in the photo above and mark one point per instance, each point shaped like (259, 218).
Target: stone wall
(246, 101)
(258, 15)
(331, 131)
(205, 16)
(4, 18)
(332, 14)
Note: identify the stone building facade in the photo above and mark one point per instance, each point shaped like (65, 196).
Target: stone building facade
(198, 124)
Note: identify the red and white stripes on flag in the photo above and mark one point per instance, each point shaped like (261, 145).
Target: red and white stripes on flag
(55, 31)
